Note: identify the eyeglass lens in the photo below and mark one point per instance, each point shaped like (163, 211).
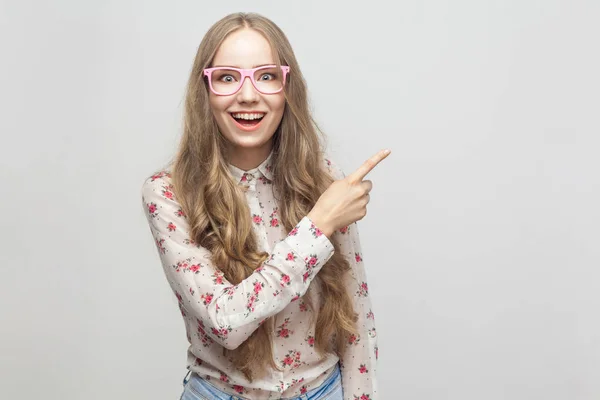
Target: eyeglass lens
(228, 81)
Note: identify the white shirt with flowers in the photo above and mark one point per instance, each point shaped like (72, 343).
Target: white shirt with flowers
(218, 314)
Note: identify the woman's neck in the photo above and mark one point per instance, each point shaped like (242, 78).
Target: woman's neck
(249, 158)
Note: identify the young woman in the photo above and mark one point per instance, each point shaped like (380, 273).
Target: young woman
(256, 231)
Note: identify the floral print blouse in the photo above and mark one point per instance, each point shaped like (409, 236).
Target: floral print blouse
(218, 314)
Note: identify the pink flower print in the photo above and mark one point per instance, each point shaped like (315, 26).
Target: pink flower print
(376, 352)
(372, 333)
(296, 297)
(311, 341)
(293, 232)
(157, 176)
(280, 387)
(370, 315)
(250, 304)
(180, 212)
(195, 268)
(218, 278)
(288, 361)
(178, 296)
(292, 358)
(181, 265)
(239, 389)
(206, 340)
(160, 243)
(206, 298)
(363, 397)
(285, 280)
(171, 227)
(303, 389)
(152, 209)
(200, 325)
(224, 378)
(223, 332)
(353, 339)
(344, 230)
(167, 192)
(363, 369)
(192, 291)
(363, 289)
(244, 178)
(229, 291)
(198, 361)
(283, 331)
(315, 231)
(258, 286)
(291, 257)
(305, 276)
(303, 307)
(257, 219)
(313, 260)
(273, 218)
(358, 257)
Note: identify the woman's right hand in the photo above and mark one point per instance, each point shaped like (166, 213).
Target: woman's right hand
(345, 200)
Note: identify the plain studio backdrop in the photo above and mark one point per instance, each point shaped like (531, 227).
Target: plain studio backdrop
(482, 238)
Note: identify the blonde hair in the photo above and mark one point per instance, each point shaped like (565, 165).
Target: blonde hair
(216, 207)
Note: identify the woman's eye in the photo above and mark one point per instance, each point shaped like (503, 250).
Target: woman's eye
(226, 78)
(269, 77)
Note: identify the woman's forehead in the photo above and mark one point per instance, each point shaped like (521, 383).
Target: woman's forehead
(245, 48)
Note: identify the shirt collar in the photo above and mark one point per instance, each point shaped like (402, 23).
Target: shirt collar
(265, 169)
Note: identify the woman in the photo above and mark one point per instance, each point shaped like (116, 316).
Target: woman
(256, 231)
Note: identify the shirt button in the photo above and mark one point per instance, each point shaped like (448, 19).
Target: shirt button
(249, 177)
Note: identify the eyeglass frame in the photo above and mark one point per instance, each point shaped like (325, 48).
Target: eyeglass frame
(246, 72)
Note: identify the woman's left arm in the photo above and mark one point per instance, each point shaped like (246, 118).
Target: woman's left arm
(359, 361)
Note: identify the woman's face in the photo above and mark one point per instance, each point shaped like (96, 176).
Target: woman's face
(246, 48)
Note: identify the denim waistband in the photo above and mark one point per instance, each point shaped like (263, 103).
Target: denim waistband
(333, 379)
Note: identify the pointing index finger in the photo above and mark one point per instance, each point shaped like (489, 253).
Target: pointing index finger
(363, 170)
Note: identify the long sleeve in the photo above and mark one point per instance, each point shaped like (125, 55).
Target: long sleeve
(359, 361)
(227, 313)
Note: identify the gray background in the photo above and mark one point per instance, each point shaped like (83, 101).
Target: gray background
(481, 241)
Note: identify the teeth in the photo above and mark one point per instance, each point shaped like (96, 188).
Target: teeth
(248, 116)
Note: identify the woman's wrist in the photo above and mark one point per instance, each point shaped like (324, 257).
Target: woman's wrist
(321, 223)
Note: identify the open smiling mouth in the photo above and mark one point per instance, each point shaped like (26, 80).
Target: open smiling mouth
(247, 122)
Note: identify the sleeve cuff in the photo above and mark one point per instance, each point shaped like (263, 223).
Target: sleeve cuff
(308, 242)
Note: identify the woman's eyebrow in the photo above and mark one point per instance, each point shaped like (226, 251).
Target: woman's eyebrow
(235, 66)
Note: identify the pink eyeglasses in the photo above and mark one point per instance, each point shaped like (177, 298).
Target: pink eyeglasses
(225, 81)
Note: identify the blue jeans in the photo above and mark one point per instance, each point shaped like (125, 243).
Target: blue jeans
(196, 388)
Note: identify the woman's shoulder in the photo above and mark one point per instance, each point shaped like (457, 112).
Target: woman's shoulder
(157, 182)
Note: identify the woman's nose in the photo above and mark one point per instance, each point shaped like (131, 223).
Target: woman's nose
(248, 92)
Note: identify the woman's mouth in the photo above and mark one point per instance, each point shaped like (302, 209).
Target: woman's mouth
(247, 121)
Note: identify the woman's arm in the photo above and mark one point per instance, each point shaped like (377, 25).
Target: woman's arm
(359, 361)
(229, 313)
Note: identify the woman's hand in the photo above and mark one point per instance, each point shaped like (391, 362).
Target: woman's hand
(345, 201)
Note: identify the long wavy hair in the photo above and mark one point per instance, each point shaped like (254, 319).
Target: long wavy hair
(216, 206)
